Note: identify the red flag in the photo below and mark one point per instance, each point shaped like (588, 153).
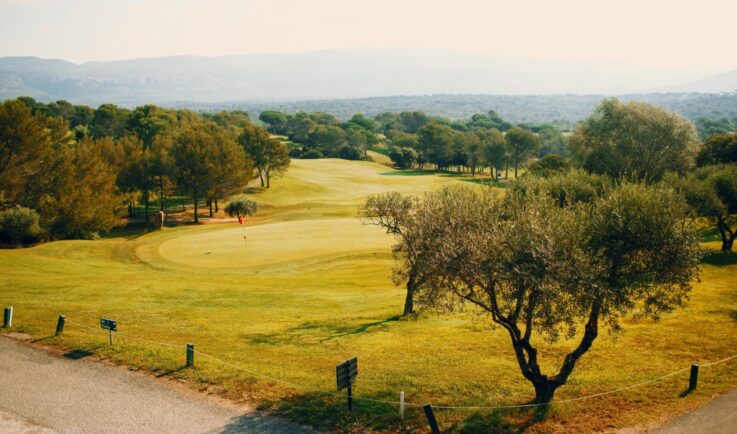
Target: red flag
(240, 219)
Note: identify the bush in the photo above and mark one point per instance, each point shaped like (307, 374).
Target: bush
(349, 153)
(402, 157)
(312, 154)
(241, 206)
(549, 165)
(19, 223)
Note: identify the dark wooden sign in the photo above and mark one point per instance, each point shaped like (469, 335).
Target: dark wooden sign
(108, 324)
(346, 373)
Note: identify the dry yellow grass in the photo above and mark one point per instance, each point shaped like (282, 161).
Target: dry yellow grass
(312, 287)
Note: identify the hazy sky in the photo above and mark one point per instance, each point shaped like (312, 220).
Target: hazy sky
(694, 34)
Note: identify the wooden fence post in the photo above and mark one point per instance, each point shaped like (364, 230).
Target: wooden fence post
(431, 419)
(8, 317)
(401, 405)
(190, 355)
(60, 325)
(693, 381)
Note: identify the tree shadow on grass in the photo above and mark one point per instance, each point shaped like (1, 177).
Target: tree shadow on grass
(411, 172)
(720, 259)
(80, 353)
(329, 412)
(171, 372)
(506, 421)
(130, 231)
(316, 332)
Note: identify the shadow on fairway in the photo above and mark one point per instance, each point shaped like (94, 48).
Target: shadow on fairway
(410, 172)
(507, 421)
(130, 231)
(328, 412)
(315, 332)
(720, 258)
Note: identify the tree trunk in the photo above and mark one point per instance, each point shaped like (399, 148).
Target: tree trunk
(216, 205)
(145, 202)
(544, 390)
(161, 192)
(409, 301)
(261, 176)
(209, 204)
(727, 244)
(196, 220)
(728, 236)
(515, 170)
(130, 209)
(268, 180)
(183, 208)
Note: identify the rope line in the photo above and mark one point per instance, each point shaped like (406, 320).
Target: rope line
(411, 404)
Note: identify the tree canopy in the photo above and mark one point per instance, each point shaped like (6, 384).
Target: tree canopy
(634, 140)
(539, 268)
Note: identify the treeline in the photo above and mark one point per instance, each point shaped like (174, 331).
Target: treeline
(415, 138)
(569, 109)
(69, 171)
(318, 134)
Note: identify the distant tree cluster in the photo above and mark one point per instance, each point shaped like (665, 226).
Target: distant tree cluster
(318, 135)
(561, 110)
(66, 171)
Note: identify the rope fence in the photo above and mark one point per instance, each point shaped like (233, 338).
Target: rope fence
(412, 404)
(401, 403)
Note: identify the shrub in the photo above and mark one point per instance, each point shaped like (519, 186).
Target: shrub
(312, 154)
(241, 206)
(349, 153)
(19, 223)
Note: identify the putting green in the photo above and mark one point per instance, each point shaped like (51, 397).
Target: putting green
(276, 243)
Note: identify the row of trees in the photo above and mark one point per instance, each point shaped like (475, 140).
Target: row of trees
(414, 138)
(74, 168)
(484, 140)
(320, 135)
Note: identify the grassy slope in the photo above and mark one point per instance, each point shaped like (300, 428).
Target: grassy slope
(311, 287)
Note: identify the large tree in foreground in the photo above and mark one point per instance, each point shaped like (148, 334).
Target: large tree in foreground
(545, 271)
(634, 141)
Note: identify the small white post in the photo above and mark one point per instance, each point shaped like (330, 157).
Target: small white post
(401, 405)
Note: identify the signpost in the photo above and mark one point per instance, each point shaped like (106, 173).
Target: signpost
(109, 325)
(346, 373)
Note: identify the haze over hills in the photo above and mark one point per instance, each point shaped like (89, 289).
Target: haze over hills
(331, 74)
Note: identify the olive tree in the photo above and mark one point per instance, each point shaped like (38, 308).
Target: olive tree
(711, 192)
(403, 217)
(557, 272)
(241, 206)
(634, 140)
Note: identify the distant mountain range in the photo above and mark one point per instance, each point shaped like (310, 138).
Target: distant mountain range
(332, 74)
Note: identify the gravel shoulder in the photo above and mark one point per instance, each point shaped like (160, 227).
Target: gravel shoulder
(719, 416)
(46, 393)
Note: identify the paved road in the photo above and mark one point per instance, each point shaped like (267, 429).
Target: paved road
(716, 417)
(44, 393)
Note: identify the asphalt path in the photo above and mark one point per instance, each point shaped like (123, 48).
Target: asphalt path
(719, 416)
(42, 392)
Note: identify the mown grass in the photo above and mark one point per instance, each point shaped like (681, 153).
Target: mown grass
(311, 287)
